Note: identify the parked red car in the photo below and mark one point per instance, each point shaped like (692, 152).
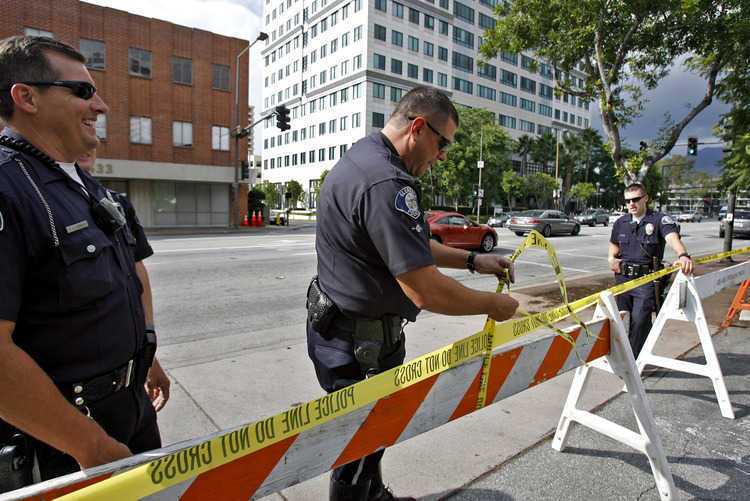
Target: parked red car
(452, 228)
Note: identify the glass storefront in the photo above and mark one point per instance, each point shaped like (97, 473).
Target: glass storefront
(189, 204)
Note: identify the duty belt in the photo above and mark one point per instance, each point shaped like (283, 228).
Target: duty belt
(95, 389)
(635, 270)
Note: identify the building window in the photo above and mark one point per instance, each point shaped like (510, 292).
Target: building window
(397, 38)
(528, 105)
(182, 71)
(427, 75)
(528, 63)
(397, 66)
(486, 22)
(463, 62)
(508, 99)
(139, 62)
(413, 44)
(396, 94)
(487, 93)
(428, 49)
(378, 61)
(444, 28)
(342, 150)
(509, 57)
(487, 70)
(378, 90)
(527, 126)
(443, 54)
(379, 33)
(140, 130)
(463, 12)
(442, 79)
(545, 91)
(413, 16)
(463, 85)
(412, 71)
(506, 121)
(95, 53)
(220, 77)
(36, 32)
(356, 120)
(429, 22)
(545, 110)
(378, 119)
(322, 155)
(101, 126)
(381, 5)
(463, 37)
(331, 152)
(398, 10)
(182, 134)
(219, 138)
(528, 85)
(509, 78)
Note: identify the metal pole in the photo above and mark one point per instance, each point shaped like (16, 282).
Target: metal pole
(480, 166)
(557, 169)
(729, 222)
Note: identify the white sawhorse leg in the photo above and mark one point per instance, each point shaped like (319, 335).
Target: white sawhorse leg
(621, 362)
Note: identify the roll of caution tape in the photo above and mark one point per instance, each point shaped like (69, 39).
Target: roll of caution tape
(227, 446)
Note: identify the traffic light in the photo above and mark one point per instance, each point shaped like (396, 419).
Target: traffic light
(692, 148)
(245, 168)
(282, 118)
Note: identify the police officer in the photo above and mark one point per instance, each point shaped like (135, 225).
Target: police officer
(157, 382)
(377, 267)
(74, 351)
(636, 248)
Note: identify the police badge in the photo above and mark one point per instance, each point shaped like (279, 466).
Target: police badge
(649, 229)
(406, 202)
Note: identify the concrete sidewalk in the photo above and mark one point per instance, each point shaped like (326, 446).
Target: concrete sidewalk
(219, 384)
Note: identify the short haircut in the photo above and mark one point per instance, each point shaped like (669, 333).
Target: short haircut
(427, 102)
(22, 59)
(636, 186)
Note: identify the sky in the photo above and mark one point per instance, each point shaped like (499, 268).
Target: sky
(242, 19)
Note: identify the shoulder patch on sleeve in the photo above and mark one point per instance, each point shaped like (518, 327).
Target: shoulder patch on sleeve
(406, 202)
(667, 220)
(2, 222)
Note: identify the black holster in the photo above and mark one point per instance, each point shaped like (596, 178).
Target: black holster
(16, 459)
(321, 311)
(373, 339)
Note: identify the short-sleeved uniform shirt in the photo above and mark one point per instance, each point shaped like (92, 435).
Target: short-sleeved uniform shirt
(638, 242)
(135, 235)
(75, 302)
(370, 230)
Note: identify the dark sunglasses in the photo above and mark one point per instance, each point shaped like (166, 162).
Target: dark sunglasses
(83, 90)
(444, 141)
(635, 200)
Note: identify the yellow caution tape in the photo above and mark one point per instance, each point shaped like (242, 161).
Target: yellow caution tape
(182, 465)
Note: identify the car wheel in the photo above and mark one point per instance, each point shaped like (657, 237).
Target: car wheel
(546, 231)
(576, 230)
(488, 243)
(606, 223)
(592, 224)
(519, 233)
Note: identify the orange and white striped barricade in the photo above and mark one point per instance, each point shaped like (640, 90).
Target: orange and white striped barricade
(683, 303)
(739, 305)
(269, 455)
(619, 361)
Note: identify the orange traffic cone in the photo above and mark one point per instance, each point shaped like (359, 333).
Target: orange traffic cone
(260, 218)
(254, 221)
(738, 305)
(244, 221)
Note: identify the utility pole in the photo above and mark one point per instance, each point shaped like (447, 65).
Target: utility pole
(558, 195)
(729, 222)
(480, 166)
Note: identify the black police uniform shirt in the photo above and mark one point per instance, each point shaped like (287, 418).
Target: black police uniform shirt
(370, 230)
(135, 235)
(638, 242)
(76, 305)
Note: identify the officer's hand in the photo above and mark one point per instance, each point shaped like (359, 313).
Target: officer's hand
(504, 307)
(157, 386)
(614, 264)
(103, 451)
(495, 265)
(686, 264)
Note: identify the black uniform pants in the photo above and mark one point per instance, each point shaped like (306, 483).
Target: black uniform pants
(127, 416)
(641, 303)
(336, 367)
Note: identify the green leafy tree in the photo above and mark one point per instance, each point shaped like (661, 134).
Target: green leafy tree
(456, 176)
(320, 183)
(255, 199)
(270, 194)
(543, 149)
(540, 186)
(523, 148)
(297, 193)
(582, 192)
(621, 47)
(513, 186)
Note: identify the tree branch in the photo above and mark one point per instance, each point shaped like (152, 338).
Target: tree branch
(608, 118)
(622, 52)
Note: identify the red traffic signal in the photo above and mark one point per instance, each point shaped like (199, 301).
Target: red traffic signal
(282, 118)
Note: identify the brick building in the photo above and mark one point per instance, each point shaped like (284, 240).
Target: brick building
(170, 89)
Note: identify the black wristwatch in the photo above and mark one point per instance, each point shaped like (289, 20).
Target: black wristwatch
(684, 254)
(470, 262)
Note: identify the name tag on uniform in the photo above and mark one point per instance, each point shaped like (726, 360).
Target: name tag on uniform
(77, 226)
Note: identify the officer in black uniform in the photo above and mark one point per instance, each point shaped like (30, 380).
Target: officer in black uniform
(74, 351)
(377, 267)
(636, 248)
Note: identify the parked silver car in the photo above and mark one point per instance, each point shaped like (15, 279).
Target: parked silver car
(741, 226)
(546, 222)
(592, 217)
(689, 217)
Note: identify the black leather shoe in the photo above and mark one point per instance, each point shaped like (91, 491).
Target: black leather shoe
(341, 491)
(382, 493)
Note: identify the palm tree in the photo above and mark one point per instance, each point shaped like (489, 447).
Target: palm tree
(523, 148)
(543, 149)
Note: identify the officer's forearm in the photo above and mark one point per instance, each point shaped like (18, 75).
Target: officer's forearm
(33, 404)
(675, 242)
(613, 252)
(146, 298)
(448, 257)
(430, 290)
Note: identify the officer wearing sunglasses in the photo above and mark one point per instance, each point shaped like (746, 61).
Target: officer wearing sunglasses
(74, 348)
(636, 248)
(377, 266)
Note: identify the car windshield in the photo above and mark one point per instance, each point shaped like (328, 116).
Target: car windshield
(742, 215)
(531, 213)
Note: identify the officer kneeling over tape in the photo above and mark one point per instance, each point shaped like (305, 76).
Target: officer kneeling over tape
(377, 266)
(636, 248)
(75, 349)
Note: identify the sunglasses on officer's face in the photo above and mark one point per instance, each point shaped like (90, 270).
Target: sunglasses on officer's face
(634, 200)
(444, 141)
(80, 89)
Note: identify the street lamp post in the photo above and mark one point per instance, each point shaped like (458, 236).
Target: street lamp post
(262, 36)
